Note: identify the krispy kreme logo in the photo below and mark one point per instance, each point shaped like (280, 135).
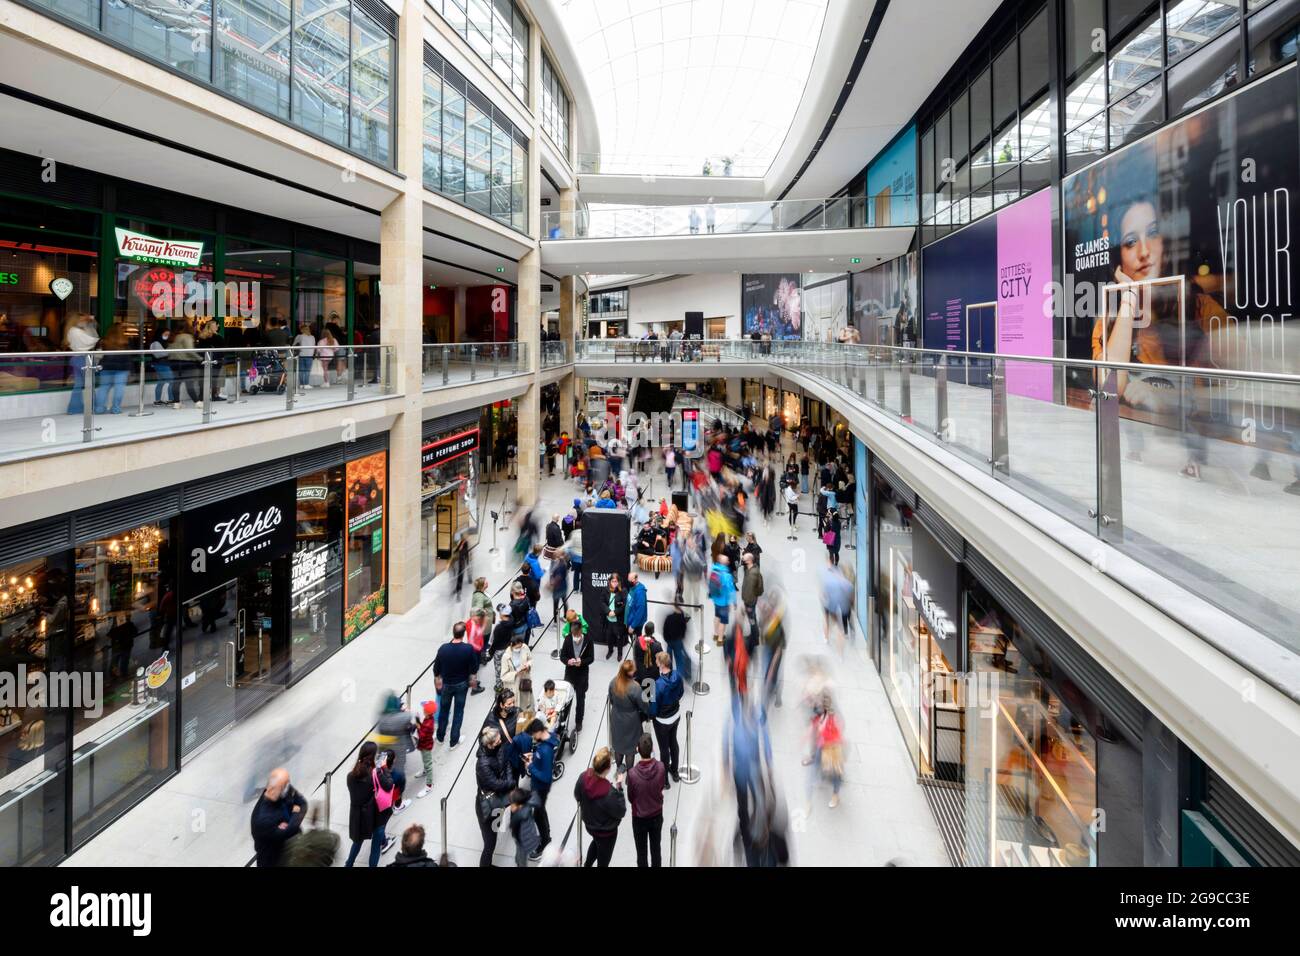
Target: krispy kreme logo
(142, 248)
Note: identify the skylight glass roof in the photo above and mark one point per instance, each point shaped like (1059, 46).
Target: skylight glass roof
(679, 82)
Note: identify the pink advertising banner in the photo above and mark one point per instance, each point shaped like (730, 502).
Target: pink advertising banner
(1025, 293)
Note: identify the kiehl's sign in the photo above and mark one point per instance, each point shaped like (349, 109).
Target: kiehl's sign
(229, 538)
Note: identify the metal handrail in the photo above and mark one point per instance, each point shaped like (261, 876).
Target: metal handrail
(770, 350)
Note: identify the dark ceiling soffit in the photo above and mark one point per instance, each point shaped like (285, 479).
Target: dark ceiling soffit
(868, 38)
(472, 245)
(54, 106)
(496, 279)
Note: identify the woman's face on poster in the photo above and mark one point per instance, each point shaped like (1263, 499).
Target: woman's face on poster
(1141, 244)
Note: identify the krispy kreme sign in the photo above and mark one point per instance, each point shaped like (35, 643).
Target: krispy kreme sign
(142, 248)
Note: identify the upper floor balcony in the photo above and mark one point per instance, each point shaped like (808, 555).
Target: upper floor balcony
(822, 235)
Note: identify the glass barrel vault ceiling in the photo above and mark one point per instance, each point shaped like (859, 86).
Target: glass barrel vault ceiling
(676, 82)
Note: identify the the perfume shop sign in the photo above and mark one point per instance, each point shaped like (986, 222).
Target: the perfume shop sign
(229, 538)
(446, 449)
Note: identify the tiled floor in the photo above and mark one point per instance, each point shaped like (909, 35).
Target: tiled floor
(201, 815)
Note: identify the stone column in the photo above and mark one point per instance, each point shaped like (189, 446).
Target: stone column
(401, 270)
(529, 303)
(458, 316)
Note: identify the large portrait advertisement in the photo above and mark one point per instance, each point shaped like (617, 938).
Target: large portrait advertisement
(891, 183)
(772, 305)
(988, 288)
(825, 308)
(884, 303)
(365, 591)
(1178, 252)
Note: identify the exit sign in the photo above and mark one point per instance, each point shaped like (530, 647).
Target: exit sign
(855, 260)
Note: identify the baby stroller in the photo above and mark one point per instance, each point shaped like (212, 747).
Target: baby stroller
(563, 730)
(266, 374)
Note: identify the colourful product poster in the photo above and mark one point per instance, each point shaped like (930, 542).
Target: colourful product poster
(1024, 318)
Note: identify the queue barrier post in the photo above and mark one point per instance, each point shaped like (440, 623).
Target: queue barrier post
(689, 773)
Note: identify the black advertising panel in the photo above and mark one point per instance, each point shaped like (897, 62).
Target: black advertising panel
(445, 449)
(694, 325)
(224, 540)
(1178, 251)
(606, 543)
(936, 590)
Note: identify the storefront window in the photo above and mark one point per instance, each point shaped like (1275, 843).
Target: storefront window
(148, 294)
(899, 621)
(1031, 782)
(155, 29)
(34, 618)
(321, 301)
(365, 588)
(372, 68)
(320, 69)
(252, 53)
(38, 246)
(268, 272)
(316, 574)
(449, 497)
(365, 312)
(125, 615)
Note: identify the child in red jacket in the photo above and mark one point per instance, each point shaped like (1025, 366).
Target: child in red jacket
(424, 744)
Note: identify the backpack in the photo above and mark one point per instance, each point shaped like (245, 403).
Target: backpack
(383, 798)
(715, 585)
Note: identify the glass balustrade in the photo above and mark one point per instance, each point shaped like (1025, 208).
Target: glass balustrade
(1177, 481)
(731, 218)
(58, 401)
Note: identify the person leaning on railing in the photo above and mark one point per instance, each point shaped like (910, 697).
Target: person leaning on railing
(82, 336)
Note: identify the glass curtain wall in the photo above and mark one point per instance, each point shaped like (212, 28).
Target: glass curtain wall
(472, 154)
(497, 31)
(323, 65)
(555, 107)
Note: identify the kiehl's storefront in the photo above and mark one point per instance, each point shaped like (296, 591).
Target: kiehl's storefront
(134, 632)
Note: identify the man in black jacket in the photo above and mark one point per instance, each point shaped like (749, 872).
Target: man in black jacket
(675, 641)
(453, 666)
(578, 652)
(412, 852)
(505, 627)
(495, 780)
(277, 817)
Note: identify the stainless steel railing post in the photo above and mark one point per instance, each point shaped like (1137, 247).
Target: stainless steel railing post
(88, 396)
(140, 412)
(207, 387)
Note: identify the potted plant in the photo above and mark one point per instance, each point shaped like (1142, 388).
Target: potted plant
(727, 163)
(708, 167)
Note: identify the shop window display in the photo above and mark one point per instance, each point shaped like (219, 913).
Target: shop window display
(316, 573)
(1031, 781)
(34, 617)
(125, 614)
(365, 585)
(900, 623)
(35, 261)
(449, 498)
